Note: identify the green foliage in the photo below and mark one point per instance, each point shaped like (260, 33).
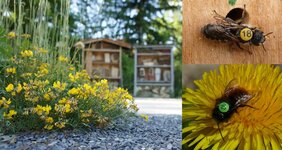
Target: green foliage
(128, 71)
(40, 87)
(232, 2)
(32, 98)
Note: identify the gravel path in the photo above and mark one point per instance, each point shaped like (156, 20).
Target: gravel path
(160, 132)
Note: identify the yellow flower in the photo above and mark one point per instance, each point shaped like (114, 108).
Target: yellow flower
(60, 124)
(48, 127)
(49, 120)
(10, 114)
(41, 50)
(67, 108)
(27, 53)
(86, 114)
(6, 103)
(42, 70)
(10, 87)
(47, 96)
(42, 110)
(259, 127)
(11, 70)
(47, 109)
(11, 35)
(62, 101)
(26, 75)
(60, 86)
(27, 36)
(19, 88)
(73, 91)
(63, 59)
(71, 68)
(145, 117)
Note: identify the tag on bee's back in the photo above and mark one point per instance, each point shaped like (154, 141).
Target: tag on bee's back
(246, 34)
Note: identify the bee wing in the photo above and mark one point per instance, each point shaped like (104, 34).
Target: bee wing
(250, 96)
(225, 21)
(225, 30)
(231, 85)
(231, 36)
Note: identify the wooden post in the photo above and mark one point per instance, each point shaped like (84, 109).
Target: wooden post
(266, 15)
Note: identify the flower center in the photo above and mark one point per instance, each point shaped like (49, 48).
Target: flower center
(223, 107)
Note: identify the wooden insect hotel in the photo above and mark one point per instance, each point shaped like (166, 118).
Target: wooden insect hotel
(103, 58)
(153, 71)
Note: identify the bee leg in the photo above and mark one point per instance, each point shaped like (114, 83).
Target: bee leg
(263, 47)
(238, 45)
(220, 131)
(248, 106)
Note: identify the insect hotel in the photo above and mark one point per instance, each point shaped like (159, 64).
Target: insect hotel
(153, 71)
(103, 58)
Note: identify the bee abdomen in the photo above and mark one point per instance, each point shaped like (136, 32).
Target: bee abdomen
(215, 32)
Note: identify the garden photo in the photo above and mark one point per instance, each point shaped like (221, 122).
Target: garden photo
(87, 74)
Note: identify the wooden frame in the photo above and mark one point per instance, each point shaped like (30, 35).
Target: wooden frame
(99, 57)
(162, 60)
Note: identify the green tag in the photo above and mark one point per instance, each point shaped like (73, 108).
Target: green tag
(223, 107)
(232, 2)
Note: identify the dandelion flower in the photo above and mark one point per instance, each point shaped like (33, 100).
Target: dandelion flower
(249, 128)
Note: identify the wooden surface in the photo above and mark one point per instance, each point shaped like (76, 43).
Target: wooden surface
(264, 14)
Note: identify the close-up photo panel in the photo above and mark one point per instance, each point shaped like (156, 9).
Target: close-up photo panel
(231, 75)
(140, 75)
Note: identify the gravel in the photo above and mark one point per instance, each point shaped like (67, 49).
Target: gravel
(160, 133)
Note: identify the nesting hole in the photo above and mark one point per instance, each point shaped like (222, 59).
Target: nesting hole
(238, 15)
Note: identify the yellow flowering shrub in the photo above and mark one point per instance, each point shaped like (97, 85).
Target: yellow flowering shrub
(36, 94)
(11, 35)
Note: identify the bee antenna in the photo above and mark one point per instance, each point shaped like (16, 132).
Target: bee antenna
(267, 34)
(220, 131)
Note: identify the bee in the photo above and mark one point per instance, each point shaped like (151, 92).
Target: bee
(229, 30)
(232, 98)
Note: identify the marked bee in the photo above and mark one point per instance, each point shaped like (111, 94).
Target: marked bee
(228, 30)
(232, 98)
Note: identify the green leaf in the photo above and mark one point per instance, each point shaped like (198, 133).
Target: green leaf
(232, 2)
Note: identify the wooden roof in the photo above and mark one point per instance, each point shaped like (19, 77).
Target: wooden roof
(153, 47)
(120, 43)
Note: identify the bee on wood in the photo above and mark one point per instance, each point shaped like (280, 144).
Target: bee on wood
(228, 30)
(232, 98)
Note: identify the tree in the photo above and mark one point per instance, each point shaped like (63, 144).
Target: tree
(136, 22)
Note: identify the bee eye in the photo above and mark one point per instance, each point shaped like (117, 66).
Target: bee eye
(223, 107)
